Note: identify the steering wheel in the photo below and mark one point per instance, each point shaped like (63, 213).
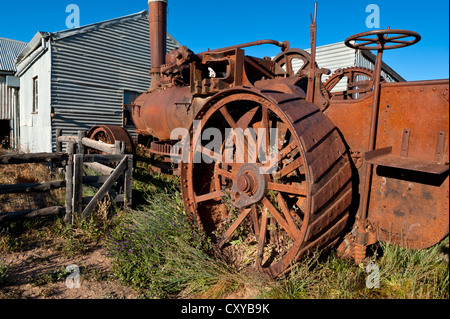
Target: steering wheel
(382, 39)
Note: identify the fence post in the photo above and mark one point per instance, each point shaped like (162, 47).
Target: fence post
(128, 182)
(81, 135)
(78, 184)
(69, 183)
(58, 143)
(120, 147)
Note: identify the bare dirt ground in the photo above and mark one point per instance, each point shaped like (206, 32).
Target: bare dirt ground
(39, 273)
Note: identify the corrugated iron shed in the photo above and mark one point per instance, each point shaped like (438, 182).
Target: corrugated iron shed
(93, 70)
(9, 88)
(9, 50)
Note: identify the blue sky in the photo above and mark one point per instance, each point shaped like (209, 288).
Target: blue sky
(203, 24)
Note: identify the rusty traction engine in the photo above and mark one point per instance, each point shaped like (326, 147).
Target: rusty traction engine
(355, 167)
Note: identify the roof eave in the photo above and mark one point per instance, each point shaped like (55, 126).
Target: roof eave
(32, 46)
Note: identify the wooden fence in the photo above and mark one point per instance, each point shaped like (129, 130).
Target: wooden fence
(14, 159)
(112, 167)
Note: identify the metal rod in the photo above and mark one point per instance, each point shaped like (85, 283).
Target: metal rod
(315, 12)
(283, 45)
(312, 68)
(373, 133)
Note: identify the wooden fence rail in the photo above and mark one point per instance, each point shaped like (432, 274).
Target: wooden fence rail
(32, 158)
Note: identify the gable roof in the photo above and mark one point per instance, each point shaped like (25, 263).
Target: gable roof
(9, 50)
(55, 36)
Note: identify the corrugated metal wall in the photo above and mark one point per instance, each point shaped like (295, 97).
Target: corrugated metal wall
(333, 56)
(91, 70)
(364, 62)
(338, 55)
(7, 100)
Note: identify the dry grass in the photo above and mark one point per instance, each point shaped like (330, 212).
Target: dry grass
(28, 173)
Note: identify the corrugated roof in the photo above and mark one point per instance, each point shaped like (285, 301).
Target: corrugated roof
(35, 42)
(9, 50)
(98, 25)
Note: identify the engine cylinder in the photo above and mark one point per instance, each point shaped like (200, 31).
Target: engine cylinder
(159, 112)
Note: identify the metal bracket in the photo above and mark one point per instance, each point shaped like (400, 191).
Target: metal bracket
(440, 145)
(405, 143)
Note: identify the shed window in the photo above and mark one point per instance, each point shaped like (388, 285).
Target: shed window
(35, 95)
(128, 99)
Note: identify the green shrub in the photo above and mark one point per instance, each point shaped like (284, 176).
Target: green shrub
(140, 243)
(4, 268)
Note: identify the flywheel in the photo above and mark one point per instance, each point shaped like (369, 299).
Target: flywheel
(111, 133)
(279, 188)
(358, 82)
(293, 61)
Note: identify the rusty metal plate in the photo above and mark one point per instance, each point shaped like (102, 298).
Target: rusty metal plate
(384, 157)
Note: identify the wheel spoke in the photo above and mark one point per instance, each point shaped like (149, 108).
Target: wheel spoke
(290, 189)
(228, 117)
(289, 168)
(367, 43)
(227, 236)
(289, 70)
(209, 196)
(400, 41)
(274, 212)
(262, 238)
(254, 217)
(225, 173)
(282, 132)
(287, 215)
(369, 40)
(245, 120)
(402, 36)
(287, 150)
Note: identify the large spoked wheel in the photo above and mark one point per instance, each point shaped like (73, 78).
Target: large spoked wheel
(267, 211)
(382, 39)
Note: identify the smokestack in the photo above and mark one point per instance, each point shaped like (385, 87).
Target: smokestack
(158, 33)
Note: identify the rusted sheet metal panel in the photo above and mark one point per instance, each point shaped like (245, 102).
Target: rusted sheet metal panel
(404, 205)
(420, 107)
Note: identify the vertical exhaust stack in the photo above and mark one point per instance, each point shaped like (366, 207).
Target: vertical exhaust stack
(158, 34)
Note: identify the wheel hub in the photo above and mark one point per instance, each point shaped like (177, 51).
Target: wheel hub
(249, 187)
(247, 183)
